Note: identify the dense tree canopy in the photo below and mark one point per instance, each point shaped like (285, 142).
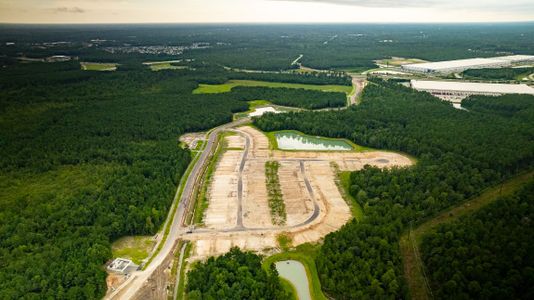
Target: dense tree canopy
(362, 260)
(235, 275)
(86, 158)
(488, 255)
(499, 73)
(302, 98)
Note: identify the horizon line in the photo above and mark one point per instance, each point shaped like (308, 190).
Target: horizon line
(272, 23)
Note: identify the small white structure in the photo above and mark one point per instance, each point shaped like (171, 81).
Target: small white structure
(122, 266)
(456, 91)
(460, 65)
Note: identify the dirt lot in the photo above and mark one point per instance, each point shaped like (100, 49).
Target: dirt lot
(314, 204)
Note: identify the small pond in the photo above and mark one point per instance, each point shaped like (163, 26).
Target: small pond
(294, 271)
(297, 141)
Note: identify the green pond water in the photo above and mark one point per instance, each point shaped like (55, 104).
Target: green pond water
(294, 271)
(296, 141)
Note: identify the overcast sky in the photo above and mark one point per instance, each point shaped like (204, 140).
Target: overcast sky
(311, 11)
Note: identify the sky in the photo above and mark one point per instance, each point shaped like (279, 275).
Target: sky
(264, 11)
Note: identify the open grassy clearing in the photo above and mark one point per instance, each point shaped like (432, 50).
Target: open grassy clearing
(227, 87)
(276, 202)
(103, 67)
(135, 248)
(343, 183)
(305, 254)
(409, 243)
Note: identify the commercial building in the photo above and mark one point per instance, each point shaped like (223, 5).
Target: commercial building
(455, 91)
(460, 65)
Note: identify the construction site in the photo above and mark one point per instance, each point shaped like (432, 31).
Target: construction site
(238, 213)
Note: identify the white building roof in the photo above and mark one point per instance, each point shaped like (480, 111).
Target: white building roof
(452, 64)
(516, 58)
(469, 63)
(473, 87)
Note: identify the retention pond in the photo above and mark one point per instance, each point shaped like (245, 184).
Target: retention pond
(298, 141)
(294, 271)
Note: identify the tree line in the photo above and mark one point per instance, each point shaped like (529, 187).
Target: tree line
(86, 158)
(302, 98)
(235, 275)
(459, 154)
(487, 255)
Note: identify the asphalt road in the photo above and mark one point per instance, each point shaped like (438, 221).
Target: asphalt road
(136, 280)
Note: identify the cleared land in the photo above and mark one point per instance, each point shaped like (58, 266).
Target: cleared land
(398, 61)
(410, 241)
(227, 87)
(103, 67)
(165, 65)
(314, 204)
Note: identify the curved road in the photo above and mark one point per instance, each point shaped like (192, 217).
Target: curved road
(134, 283)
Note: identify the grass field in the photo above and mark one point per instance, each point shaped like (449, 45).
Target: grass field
(103, 67)
(410, 240)
(344, 184)
(305, 254)
(135, 248)
(227, 87)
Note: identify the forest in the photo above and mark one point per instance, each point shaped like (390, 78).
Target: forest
(86, 158)
(235, 275)
(362, 260)
(487, 255)
(498, 73)
(274, 48)
(302, 98)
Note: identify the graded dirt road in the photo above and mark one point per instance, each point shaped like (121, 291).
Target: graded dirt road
(358, 84)
(314, 204)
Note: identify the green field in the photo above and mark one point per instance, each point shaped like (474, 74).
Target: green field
(227, 87)
(92, 66)
(135, 248)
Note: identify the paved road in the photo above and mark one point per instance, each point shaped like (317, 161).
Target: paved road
(136, 280)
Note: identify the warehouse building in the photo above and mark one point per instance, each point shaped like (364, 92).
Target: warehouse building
(460, 65)
(455, 91)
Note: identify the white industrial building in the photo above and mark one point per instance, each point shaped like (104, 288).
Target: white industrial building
(460, 65)
(455, 91)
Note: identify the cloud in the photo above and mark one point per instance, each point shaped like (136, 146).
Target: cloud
(510, 5)
(374, 3)
(70, 10)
